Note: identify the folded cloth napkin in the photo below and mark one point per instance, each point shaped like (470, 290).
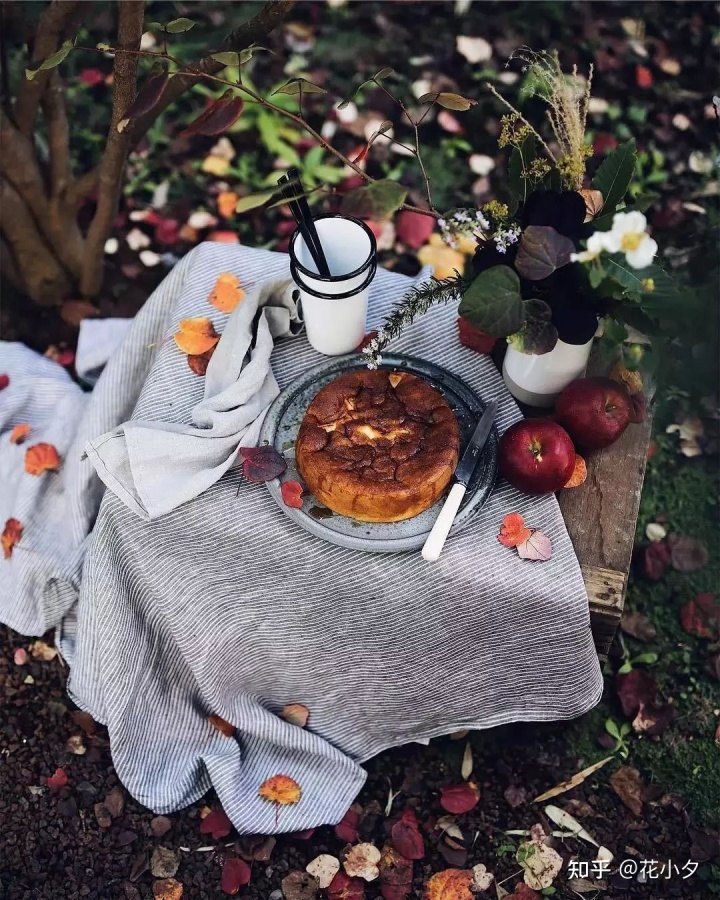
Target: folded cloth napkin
(155, 466)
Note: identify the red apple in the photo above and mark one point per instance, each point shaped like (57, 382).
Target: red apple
(594, 412)
(536, 456)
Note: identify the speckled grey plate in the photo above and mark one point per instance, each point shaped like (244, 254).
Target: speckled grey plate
(281, 427)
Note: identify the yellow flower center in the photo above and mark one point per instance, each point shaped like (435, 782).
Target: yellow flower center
(631, 241)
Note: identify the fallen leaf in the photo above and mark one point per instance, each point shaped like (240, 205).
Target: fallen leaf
(41, 650)
(413, 229)
(656, 532)
(361, 861)
(450, 884)
(655, 560)
(115, 802)
(102, 815)
(652, 719)
(41, 458)
(74, 744)
(227, 292)
(20, 657)
(523, 892)
(638, 626)
(255, 847)
(324, 868)
(701, 616)
(19, 433)
(196, 335)
(235, 874)
(460, 798)
(481, 879)
(573, 782)
(280, 789)
(346, 829)
(4, 382)
(57, 780)
(689, 432)
(537, 547)
(222, 725)
(396, 873)
(540, 863)
(628, 786)
(632, 380)
(515, 795)
(12, 532)
(406, 837)
(454, 853)
(296, 714)
(292, 494)
(569, 823)
(467, 762)
(513, 530)
(216, 824)
(84, 720)
(445, 261)
(473, 338)
(199, 362)
(343, 887)
(633, 689)
(163, 863)
(167, 889)
(687, 554)
(160, 825)
(579, 473)
(261, 463)
(226, 203)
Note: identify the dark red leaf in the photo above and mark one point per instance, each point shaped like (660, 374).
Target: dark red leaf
(413, 229)
(394, 891)
(652, 719)
(4, 382)
(460, 798)
(148, 95)
(395, 869)
(655, 560)
(523, 892)
(235, 873)
(406, 837)
(218, 116)
(634, 689)
(643, 77)
(346, 829)
(261, 463)
(701, 616)
(473, 338)
(292, 494)
(167, 232)
(638, 626)
(58, 780)
(456, 857)
(342, 887)
(216, 824)
(687, 554)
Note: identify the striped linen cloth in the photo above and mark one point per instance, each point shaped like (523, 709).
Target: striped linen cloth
(224, 606)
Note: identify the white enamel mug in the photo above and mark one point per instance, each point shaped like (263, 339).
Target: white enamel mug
(335, 307)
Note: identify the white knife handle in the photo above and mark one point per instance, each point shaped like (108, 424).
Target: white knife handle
(436, 539)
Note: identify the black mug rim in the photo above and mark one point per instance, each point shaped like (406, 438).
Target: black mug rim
(333, 279)
(351, 293)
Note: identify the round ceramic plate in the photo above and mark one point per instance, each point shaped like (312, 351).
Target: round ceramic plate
(282, 424)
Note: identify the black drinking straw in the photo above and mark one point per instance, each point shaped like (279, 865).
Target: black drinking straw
(300, 209)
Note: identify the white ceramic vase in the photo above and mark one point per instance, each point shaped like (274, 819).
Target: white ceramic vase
(538, 380)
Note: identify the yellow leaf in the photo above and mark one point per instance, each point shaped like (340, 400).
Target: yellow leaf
(576, 779)
(196, 336)
(215, 165)
(227, 293)
(443, 259)
(280, 789)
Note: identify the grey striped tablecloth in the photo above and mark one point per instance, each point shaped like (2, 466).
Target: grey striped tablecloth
(226, 607)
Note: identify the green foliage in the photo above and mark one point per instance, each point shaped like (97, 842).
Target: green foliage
(542, 250)
(51, 61)
(493, 302)
(613, 177)
(537, 333)
(376, 200)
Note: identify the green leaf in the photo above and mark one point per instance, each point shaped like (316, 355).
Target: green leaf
(647, 659)
(383, 73)
(493, 303)
(376, 200)
(612, 729)
(454, 101)
(613, 177)
(537, 335)
(660, 297)
(625, 729)
(51, 61)
(625, 668)
(614, 331)
(542, 250)
(227, 58)
(520, 160)
(102, 46)
(295, 85)
(429, 98)
(252, 201)
(178, 26)
(154, 26)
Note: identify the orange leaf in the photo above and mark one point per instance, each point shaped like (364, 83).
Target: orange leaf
(227, 293)
(450, 884)
(40, 458)
(292, 494)
(196, 336)
(19, 433)
(222, 725)
(296, 714)
(513, 531)
(167, 889)
(12, 532)
(280, 789)
(579, 473)
(226, 203)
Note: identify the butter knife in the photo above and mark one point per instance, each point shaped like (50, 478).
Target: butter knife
(436, 539)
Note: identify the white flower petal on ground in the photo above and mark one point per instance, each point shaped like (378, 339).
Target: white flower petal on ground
(481, 164)
(149, 258)
(111, 246)
(137, 239)
(474, 49)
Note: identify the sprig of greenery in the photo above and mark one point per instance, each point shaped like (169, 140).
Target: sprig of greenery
(416, 303)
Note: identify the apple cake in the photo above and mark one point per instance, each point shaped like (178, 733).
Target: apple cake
(378, 446)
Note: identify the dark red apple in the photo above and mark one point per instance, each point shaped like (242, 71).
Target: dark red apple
(594, 412)
(536, 456)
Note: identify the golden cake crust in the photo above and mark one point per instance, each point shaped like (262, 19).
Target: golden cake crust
(378, 446)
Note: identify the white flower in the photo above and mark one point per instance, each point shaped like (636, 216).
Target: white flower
(630, 234)
(596, 243)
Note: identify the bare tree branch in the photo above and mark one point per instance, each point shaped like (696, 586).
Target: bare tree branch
(130, 29)
(52, 28)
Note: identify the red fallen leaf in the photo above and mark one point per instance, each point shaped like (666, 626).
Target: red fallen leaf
(395, 891)
(224, 237)
(652, 719)
(20, 657)
(460, 798)
(537, 547)
(218, 116)
(687, 554)
(346, 829)
(199, 362)
(365, 341)
(634, 689)
(222, 725)
(523, 892)
(19, 433)
(147, 96)
(167, 232)
(413, 229)
(474, 339)
(655, 560)
(92, 77)
(342, 887)
(513, 530)
(4, 382)
(235, 873)
(261, 463)
(41, 458)
(406, 836)
(216, 824)
(643, 77)
(638, 626)
(627, 784)
(396, 872)
(604, 142)
(12, 532)
(57, 781)
(292, 494)
(700, 616)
